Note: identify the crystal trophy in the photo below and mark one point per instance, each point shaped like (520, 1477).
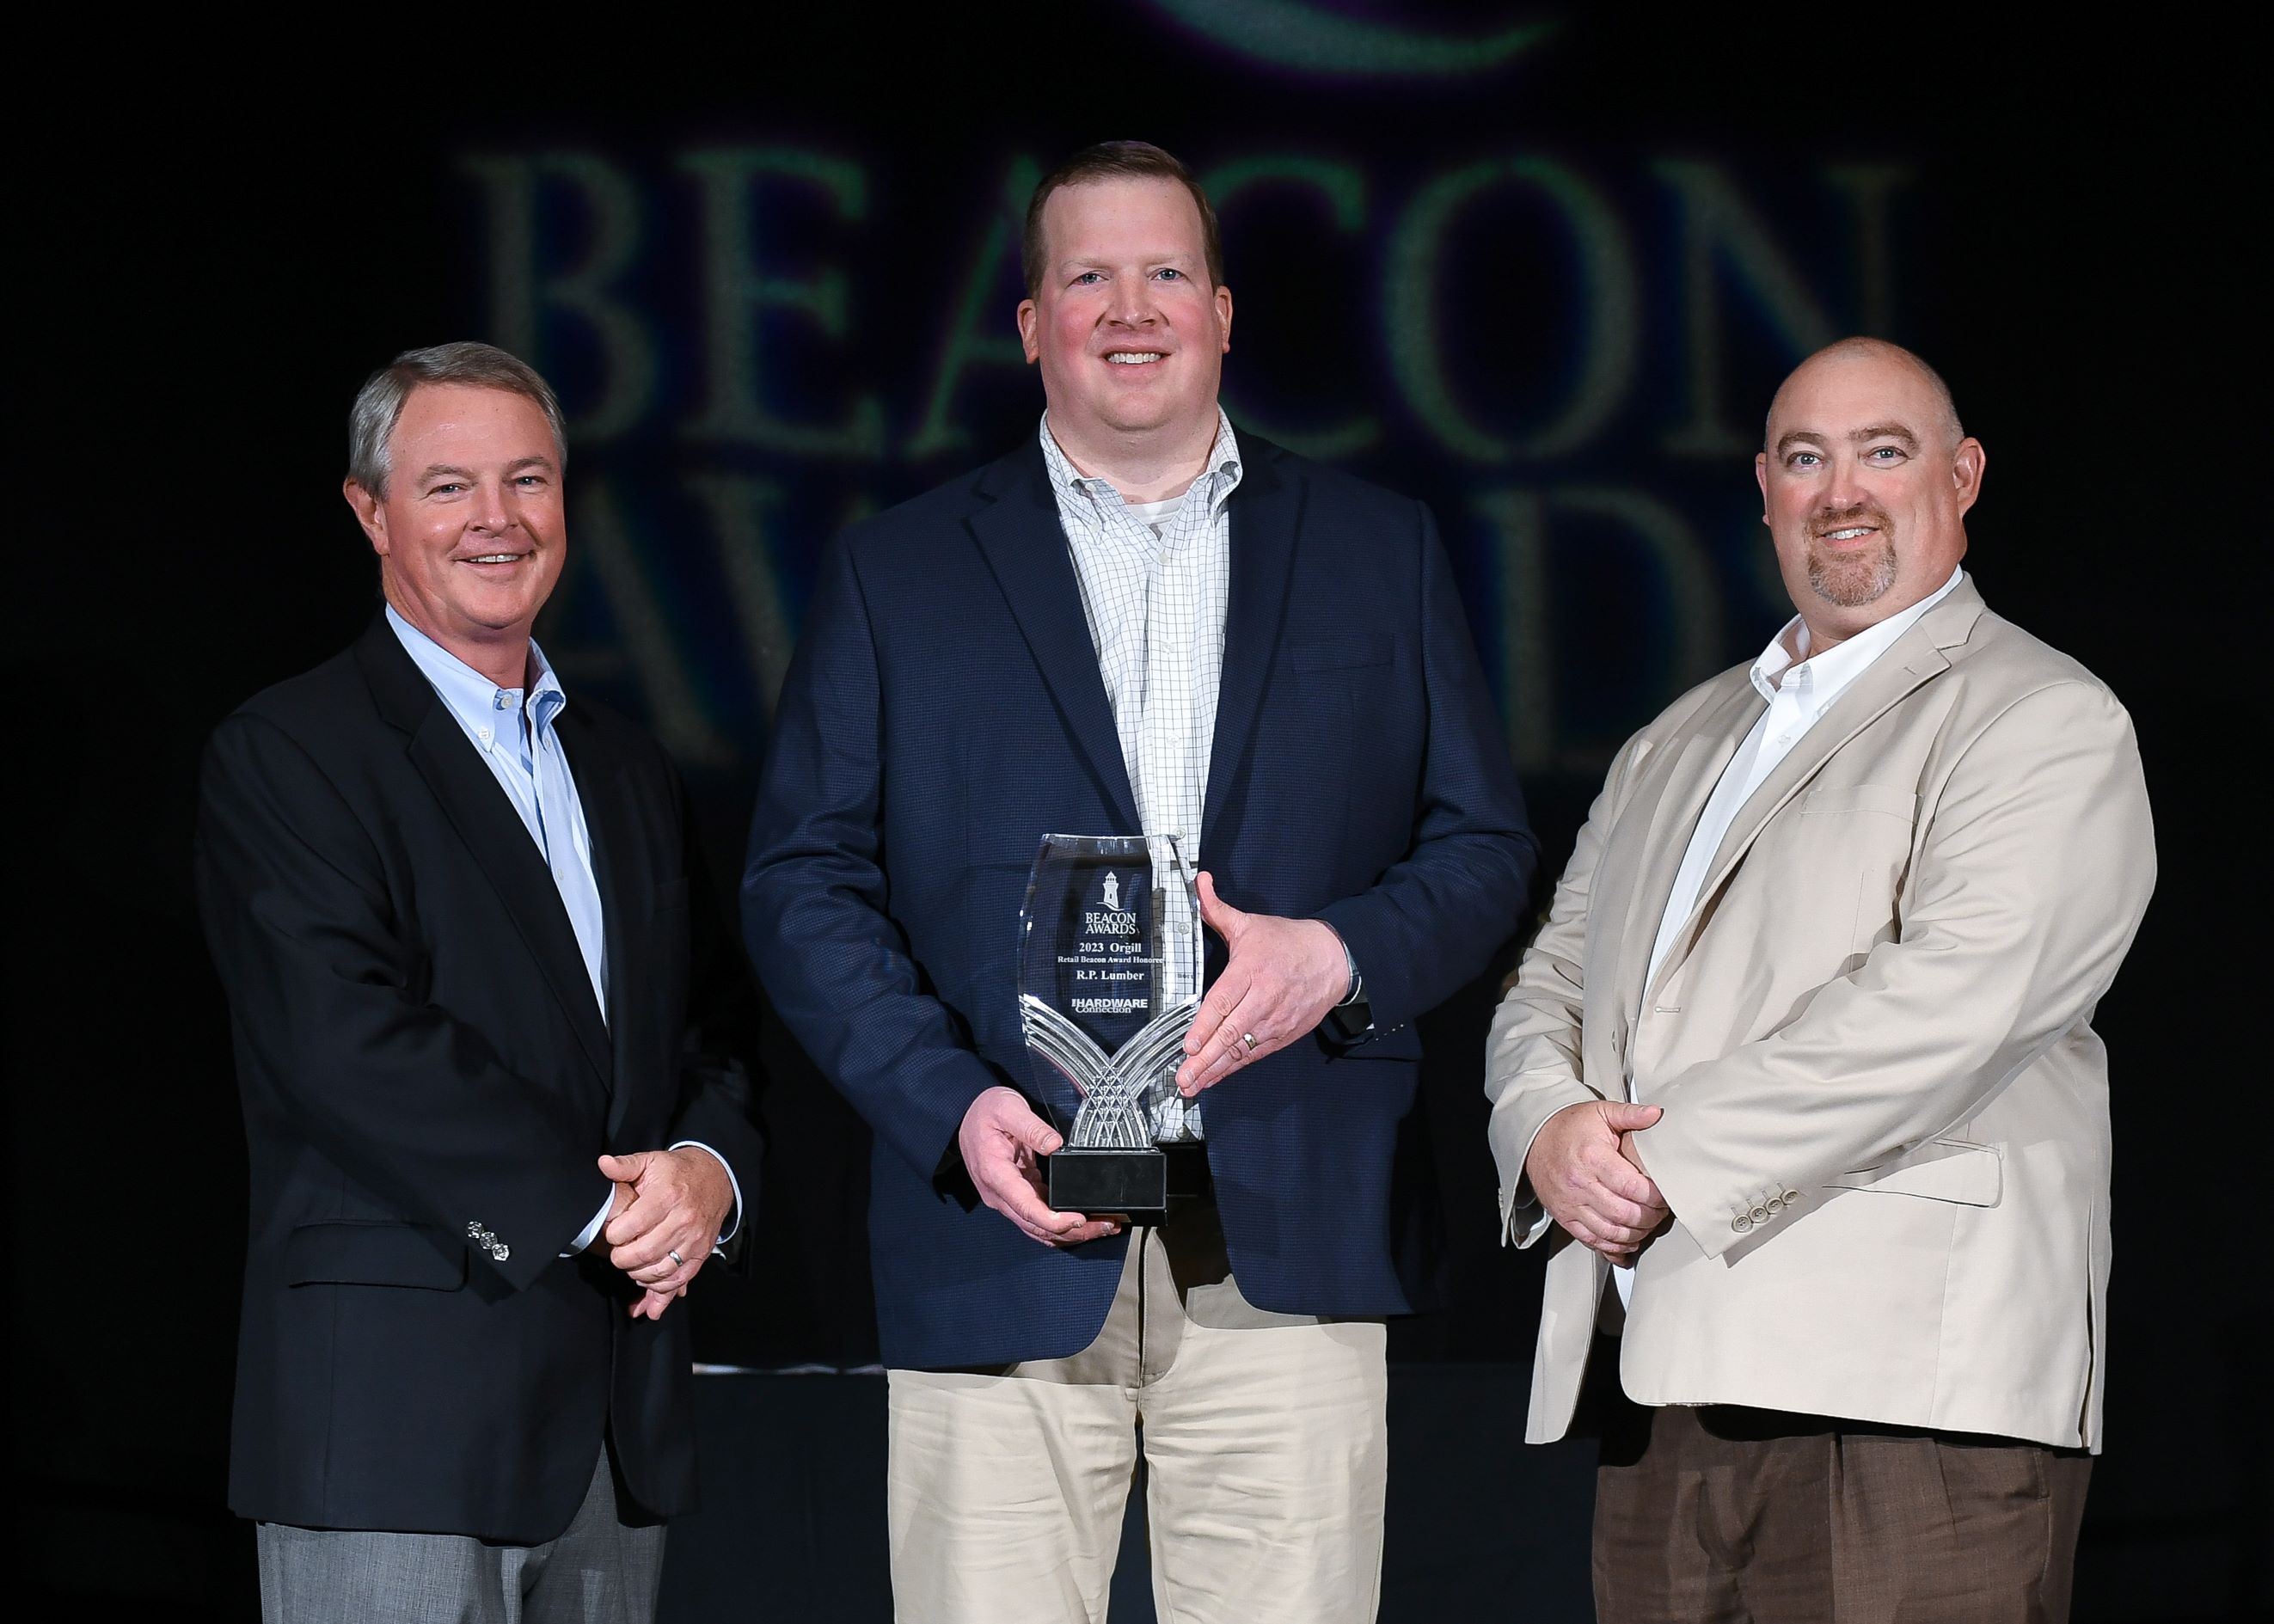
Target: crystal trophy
(1109, 976)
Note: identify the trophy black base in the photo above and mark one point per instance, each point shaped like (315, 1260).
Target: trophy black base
(1131, 1185)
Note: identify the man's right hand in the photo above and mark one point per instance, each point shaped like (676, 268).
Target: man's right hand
(1576, 1169)
(1000, 1138)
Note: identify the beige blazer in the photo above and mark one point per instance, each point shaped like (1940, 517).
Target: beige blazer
(1886, 1140)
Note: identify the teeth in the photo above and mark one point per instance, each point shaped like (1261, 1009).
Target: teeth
(1134, 358)
(496, 557)
(1851, 534)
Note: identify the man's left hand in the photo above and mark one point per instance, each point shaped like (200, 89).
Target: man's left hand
(679, 1201)
(1283, 977)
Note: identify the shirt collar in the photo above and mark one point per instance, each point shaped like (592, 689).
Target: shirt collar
(472, 698)
(1823, 677)
(1221, 469)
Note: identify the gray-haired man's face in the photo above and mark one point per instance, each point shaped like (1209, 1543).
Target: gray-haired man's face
(470, 532)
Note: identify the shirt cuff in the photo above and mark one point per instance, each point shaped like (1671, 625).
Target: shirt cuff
(735, 1218)
(590, 1232)
(1355, 987)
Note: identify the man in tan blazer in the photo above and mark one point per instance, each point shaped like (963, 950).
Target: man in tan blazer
(1801, 1080)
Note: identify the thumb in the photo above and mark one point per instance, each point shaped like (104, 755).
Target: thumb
(1625, 1118)
(624, 1169)
(1035, 1134)
(1220, 915)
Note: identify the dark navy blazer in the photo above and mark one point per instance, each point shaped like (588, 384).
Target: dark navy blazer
(945, 710)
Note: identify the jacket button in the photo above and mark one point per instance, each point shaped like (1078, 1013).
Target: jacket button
(502, 1251)
(1740, 1223)
(1760, 1214)
(1790, 1196)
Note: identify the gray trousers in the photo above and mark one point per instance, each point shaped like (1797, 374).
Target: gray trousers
(597, 1572)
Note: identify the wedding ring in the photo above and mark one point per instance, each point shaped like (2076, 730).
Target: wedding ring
(675, 1258)
(1248, 1038)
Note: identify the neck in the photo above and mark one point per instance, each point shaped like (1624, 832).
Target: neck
(1149, 465)
(501, 655)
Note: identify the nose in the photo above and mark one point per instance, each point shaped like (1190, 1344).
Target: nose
(492, 511)
(1847, 489)
(1131, 305)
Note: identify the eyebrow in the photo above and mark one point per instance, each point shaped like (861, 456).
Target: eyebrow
(1877, 431)
(437, 470)
(1163, 257)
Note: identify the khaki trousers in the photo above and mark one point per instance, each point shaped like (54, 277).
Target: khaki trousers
(1266, 1451)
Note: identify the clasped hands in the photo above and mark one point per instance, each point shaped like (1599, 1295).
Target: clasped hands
(1584, 1170)
(666, 1202)
(1281, 977)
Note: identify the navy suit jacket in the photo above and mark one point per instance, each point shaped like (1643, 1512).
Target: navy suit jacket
(945, 710)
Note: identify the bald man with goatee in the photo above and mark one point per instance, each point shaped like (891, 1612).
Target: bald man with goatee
(1799, 1085)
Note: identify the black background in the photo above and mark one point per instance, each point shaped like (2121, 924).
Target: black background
(216, 239)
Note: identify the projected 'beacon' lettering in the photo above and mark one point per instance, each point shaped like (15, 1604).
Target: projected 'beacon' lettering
(760, 343)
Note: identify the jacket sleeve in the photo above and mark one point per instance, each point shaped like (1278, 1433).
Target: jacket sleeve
(1533, 1058)
(718, 1091)
(1434, 918)
(410, 1103)
(2024, 895)
(834, 963)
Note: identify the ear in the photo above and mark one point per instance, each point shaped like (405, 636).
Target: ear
(1761, 478)
(369, 512)
(1029, 324)
(1223, 316)
(1966, 468)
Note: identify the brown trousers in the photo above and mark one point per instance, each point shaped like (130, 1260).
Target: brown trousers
(1725, 1515)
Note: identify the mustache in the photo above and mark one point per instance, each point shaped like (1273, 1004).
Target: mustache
(1864, 513)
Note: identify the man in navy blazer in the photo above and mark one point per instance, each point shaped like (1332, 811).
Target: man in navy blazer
(1140, 620)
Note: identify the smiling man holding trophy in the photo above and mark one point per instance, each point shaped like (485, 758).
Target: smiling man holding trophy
(1059, 733)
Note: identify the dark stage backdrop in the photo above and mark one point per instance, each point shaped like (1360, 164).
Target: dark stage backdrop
(1539, 265)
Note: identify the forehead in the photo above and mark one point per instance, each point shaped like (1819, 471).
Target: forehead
(1837, 394)
(1129, 214)
(437, 414)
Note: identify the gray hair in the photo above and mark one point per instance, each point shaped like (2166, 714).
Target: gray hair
(379, 404)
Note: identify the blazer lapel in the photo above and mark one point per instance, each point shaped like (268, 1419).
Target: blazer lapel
(1915, 658)
(1025, 547)
(613, 825)
(1678, 782)
(492, 829)
(1266, 509)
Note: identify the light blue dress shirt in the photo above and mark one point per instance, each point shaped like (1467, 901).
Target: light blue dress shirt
(512, 732)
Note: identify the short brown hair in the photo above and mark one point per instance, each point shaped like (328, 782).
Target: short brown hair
(1117, 161)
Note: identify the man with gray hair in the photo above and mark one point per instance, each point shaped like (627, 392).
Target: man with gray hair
(1799, 1085)
(476, 980)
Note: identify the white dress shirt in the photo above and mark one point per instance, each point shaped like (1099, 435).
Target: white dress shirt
(1799, 688)
(513, 733)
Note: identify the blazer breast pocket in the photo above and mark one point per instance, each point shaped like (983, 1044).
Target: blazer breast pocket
(1351, 651)
(1333, 684)
(375, 1254)
(1891, 799)
(1851, 844)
